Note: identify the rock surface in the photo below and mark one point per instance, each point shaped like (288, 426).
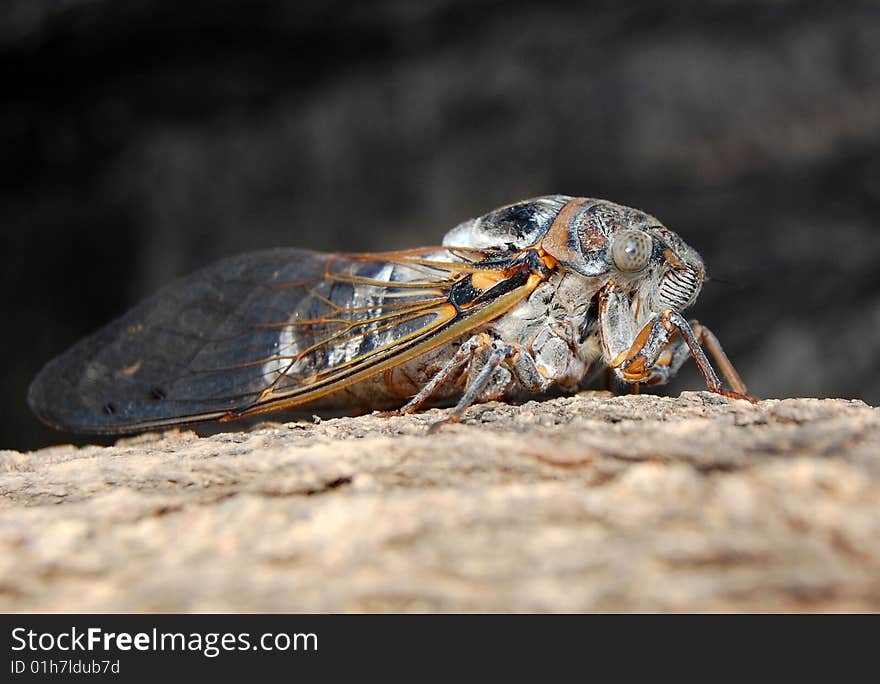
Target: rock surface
(586, 503)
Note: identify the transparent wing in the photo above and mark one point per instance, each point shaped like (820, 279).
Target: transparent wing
(263, 331)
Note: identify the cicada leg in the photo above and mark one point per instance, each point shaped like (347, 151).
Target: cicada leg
(463, 354)
(659, 349)
(484, 356)
(495, 353)
(707, 339)
(676, 352)
(475, 390)
(522, 367)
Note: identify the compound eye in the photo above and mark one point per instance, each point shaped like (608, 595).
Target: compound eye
(631, 250)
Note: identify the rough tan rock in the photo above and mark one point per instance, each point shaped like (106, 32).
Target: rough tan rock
(587, 503)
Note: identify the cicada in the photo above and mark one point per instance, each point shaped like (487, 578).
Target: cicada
(529, 297)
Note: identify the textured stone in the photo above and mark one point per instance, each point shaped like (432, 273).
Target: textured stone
(587, 503)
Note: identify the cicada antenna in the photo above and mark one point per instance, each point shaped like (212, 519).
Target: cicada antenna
(713, 279)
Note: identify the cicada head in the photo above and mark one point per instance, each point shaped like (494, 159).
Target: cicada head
(607, 241)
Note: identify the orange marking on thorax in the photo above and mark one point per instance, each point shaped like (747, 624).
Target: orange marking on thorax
(486, 280)
(555, 242)
(549, 261)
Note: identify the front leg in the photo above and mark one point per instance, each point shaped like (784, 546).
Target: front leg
(652, 355)
(677, 352)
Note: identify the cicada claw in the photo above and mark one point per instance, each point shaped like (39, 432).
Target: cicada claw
(737, 395)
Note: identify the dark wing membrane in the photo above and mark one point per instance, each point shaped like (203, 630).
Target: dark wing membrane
(251, 331)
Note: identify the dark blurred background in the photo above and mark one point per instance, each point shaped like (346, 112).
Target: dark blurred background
(143, 139)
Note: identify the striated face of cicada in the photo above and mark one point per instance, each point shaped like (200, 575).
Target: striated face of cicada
(682, 276)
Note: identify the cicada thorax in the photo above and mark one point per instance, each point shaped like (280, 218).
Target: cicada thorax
(575, 231)
(511, 228)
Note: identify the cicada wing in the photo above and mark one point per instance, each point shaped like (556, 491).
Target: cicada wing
(161, 361)
(245, 332)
